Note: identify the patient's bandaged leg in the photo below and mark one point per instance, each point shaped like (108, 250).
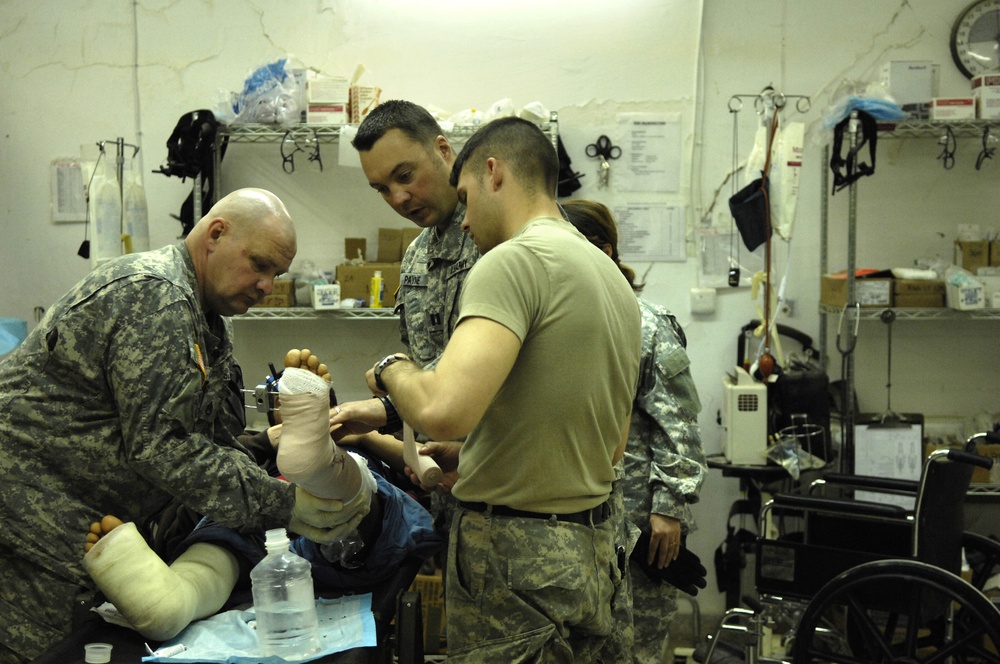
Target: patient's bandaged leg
(160, 601)
(307, 454)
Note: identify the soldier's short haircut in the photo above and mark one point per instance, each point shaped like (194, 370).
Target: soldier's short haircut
(413, 120)
(522, 145)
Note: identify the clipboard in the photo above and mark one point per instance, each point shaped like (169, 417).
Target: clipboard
(891, 448)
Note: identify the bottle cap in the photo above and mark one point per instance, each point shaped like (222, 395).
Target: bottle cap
(276, 537)
(378, 274)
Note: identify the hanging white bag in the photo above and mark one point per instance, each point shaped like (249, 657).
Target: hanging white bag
(106, 212)
(136, 210)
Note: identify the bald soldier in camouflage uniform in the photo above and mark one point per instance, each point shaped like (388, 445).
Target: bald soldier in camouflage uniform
(114, 404)
(664, 467)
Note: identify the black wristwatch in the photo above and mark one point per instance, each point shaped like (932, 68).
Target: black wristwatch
(393, 422)
(380, 367)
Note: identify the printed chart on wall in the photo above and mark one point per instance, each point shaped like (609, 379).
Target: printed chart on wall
(649, 232)
(651, 146)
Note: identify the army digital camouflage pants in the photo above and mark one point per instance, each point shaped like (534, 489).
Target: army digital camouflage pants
(617, 647)
(528, 590)
(38, 607)
(654, 607)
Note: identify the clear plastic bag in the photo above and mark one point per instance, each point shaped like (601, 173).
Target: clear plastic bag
(269, 97)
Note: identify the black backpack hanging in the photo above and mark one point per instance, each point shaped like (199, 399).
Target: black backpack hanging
(190, 152)
(569, 181)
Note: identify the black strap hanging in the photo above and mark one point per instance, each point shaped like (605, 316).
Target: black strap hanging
(848, 169)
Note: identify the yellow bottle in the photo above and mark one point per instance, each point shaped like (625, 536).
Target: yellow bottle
(376, 291)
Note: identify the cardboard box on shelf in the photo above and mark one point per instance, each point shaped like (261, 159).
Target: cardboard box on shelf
(868, 292)
(972, 254)
(953, 108)
(355, 247)
(354, 280)
(328, 89)
(326, 113)
(326, 296)
(390, 241)
(966, 297)
(363, 98)
(986, 92)
(283, 286)
(911, 83)
(277, 301)
(918, 293)
(991, 289)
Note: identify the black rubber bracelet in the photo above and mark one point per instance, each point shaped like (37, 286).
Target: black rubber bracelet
(392, 421)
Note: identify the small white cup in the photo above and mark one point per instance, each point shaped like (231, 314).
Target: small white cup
(97, 653)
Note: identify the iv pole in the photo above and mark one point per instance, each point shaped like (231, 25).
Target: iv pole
(847, 454)
(120, 146)
(769, 101)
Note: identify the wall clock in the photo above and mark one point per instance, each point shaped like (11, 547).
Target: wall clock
(975, 38)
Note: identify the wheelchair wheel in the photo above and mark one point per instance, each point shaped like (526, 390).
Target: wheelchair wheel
(983, 555)
(898, 612)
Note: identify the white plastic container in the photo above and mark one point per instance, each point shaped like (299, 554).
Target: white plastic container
(284, 602)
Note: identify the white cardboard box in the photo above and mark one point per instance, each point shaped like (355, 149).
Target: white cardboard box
(991, 289)
(327, 113)
(326, 296)
(953, 108)
(322, 89)
(986, 92)
(911, 83)
(363, 99)
(965, 298)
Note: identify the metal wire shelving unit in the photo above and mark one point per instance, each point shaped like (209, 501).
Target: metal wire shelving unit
(307, 313)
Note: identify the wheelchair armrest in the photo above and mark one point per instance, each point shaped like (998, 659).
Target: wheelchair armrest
(883, 484)
(836, 506)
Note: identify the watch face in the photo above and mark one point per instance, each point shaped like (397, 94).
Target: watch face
(975, 38)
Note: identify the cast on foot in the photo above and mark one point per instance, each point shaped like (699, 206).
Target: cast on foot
(158, 600)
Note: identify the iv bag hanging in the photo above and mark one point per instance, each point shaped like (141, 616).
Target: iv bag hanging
(107, 215)
(136, 210)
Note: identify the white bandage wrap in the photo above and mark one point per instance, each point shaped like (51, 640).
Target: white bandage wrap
(160, 601)
(297, 381)
(307, 454)
(368, 483)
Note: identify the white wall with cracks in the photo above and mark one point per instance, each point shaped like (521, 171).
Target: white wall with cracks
(72, 74)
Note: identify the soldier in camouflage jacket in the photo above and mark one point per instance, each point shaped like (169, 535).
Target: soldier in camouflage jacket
(115, 404)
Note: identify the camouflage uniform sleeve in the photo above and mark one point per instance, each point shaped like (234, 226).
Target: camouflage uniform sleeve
(169, 396)
(669, 397)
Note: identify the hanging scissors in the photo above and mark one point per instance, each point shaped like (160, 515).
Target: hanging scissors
(605, 149)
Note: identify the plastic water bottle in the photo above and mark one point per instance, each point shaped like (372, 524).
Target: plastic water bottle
(284, 602)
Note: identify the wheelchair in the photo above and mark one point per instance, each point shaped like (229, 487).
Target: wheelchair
(854, 581)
